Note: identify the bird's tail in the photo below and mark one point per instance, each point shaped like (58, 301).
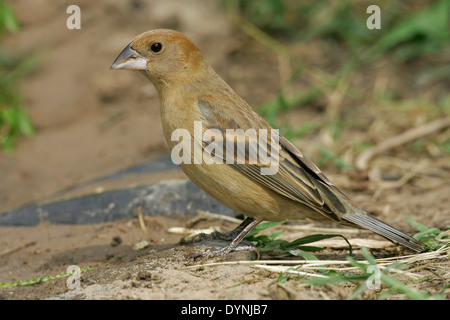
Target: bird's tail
(364, 220)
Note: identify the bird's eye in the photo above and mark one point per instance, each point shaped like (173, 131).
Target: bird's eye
(156, 47)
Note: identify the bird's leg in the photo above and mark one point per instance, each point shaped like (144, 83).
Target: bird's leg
(232, 234)
(227, 236)
(237, 235)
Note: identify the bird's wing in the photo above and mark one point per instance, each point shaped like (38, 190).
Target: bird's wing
(295, 177)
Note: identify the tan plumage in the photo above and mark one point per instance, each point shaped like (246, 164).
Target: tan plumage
(189, 91)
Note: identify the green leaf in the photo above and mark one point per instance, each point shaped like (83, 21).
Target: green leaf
(403, 288)
(265, 225)
(416, 224)
(430, 25)
(25, 123)
(304, 255)
(368, 256)
(9, 19)
(313, 238)
(357, 264)
(358, 291)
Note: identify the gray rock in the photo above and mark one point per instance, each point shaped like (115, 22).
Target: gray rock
(165, 198)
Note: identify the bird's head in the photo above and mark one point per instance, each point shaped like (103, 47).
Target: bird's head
(164, 56)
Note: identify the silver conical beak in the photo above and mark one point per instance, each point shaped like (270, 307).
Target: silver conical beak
(130, 60)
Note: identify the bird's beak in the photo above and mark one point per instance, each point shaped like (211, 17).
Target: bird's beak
(130, 60)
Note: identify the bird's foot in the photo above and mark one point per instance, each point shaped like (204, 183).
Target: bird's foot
(221, 251)
(209, 237)
(236, 236)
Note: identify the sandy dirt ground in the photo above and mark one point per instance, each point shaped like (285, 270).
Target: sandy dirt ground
(91, 122)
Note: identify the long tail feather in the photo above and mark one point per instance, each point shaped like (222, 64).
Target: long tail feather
(383, 229)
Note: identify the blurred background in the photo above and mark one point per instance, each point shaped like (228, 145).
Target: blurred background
(345, 94)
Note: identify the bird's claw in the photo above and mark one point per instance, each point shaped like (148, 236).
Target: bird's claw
(214, 252)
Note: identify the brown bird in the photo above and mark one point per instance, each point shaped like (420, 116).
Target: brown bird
(267, 178)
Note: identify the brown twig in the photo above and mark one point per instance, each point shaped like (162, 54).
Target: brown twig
(23, 246)
(141, 220)
(362, 162)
